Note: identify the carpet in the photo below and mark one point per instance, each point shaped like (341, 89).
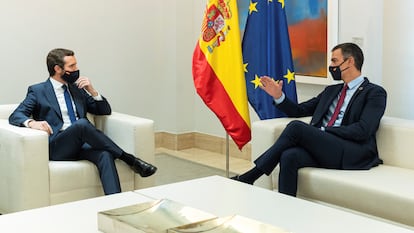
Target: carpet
(172, 169)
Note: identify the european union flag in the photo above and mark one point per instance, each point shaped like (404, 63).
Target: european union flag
(266, 51)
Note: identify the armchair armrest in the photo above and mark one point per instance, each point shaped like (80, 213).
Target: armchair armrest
(24, 168)
(264, 134)
(134, 135)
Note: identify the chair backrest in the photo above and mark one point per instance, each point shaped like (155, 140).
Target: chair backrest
(395, 142)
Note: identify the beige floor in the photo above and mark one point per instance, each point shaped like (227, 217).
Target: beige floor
(211, 159)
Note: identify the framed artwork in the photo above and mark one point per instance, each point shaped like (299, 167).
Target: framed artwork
(313, 31)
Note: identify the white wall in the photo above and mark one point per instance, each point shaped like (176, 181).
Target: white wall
(398, 57)
(364, 19)
(138, 53)
(117, 43)
(129, 49)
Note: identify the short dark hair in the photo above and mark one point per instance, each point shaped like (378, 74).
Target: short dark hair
(55, 57)
(351, 50)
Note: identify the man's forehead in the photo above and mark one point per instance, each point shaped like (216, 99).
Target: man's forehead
(336, 54)
(69, 59)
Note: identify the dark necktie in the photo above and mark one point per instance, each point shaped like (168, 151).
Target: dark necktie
(338, 105)
(69, 105)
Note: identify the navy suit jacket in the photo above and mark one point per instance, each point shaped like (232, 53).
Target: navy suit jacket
(359, 124)
(41, 104)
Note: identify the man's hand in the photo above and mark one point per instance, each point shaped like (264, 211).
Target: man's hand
(85, 83)
(271, 87)
(40, 125)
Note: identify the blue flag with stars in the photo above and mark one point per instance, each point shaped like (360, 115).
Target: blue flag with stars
(266, 51)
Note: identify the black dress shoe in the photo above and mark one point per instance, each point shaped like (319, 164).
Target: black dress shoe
(237, 178)
(143, 168)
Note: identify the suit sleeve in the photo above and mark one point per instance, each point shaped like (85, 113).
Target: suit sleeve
(304, 109)
(363, 123)
(97, 107)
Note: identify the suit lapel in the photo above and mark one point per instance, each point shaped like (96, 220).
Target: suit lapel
(361, 88)
(77, 99)
(324, 104)
(333, 95)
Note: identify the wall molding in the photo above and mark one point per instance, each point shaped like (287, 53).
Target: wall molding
(200, 141)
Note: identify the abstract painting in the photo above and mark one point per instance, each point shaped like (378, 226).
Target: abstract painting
(307, 23)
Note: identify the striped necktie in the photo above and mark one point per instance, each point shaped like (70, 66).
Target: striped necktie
(338, 105)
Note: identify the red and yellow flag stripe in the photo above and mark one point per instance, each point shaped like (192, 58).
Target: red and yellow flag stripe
(218, 69)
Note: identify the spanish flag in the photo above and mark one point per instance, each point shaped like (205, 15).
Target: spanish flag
(218, 70)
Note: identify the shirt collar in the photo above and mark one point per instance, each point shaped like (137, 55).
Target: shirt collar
(356, 82)
(56, 84)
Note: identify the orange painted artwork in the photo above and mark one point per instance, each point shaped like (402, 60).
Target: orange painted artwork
(307, 23)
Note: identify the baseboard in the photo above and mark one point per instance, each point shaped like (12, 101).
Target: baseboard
(201, 141)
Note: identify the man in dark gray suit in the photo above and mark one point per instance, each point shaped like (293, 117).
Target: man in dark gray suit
(59, 106)
(341, 134)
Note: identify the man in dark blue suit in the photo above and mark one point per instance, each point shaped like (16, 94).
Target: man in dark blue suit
(341, 134)
(59, 106)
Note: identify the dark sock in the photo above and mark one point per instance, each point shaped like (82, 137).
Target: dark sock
(127, 158)
(251, 176)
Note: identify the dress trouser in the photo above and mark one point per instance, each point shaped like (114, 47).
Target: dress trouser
(82, 141)
(300, 145)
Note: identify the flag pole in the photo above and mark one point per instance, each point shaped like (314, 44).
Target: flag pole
(227, 156)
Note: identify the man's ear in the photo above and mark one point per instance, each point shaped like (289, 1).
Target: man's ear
(58, 69)
(351, 61)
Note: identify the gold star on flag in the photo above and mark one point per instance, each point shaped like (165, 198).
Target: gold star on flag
(282, 2)
(290, 76)
(245, 67)
(256, 81)
(252, 7)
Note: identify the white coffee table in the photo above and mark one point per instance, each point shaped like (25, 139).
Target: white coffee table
(79, 216)
(216, 195)
(223, 197)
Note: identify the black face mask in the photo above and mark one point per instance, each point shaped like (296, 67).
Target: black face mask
(336, 72)
(71, 77)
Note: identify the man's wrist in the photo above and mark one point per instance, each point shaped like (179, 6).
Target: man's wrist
(27, 123)
(94, 93)
(280, 99)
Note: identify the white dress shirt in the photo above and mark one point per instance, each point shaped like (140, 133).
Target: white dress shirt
(59, 92)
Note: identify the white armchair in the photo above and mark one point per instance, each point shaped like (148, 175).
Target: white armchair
(29, 180)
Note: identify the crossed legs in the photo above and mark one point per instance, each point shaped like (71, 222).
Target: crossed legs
(105, 163)
(83, 141)
(299, 145)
